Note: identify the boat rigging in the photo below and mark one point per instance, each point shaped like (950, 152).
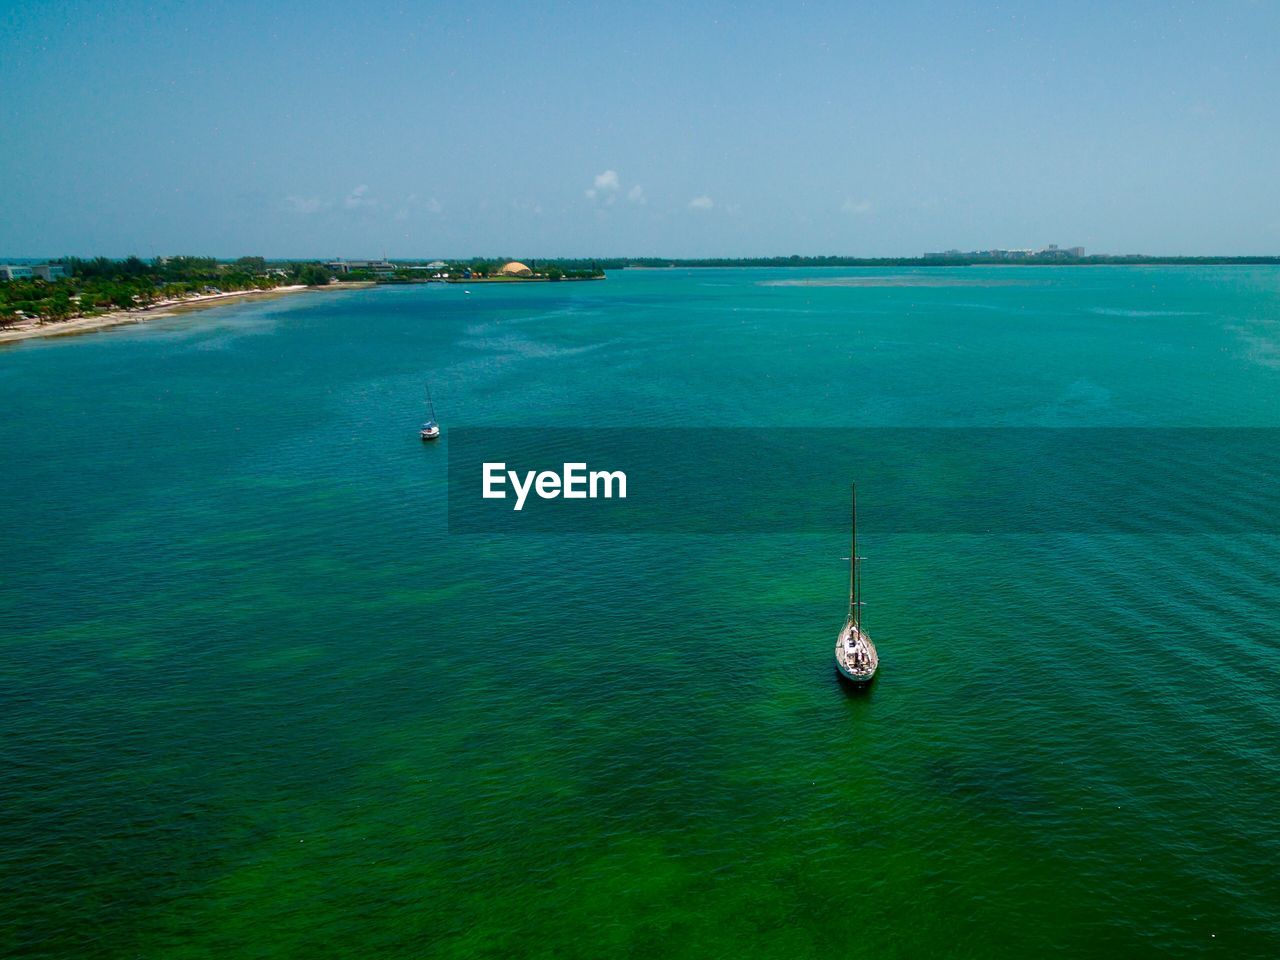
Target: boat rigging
(856, 657)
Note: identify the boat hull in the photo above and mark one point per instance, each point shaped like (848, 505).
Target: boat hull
(856, 658)
(857, 678)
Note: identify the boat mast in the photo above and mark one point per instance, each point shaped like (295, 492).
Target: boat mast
(853, 557)
(858, 570)
(430, 406)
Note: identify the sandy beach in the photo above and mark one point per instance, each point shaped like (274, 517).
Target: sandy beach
(29, 329)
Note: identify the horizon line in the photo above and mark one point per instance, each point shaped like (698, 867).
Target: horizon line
(963, 255)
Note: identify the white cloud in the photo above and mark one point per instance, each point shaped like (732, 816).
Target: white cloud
(857, 207)
(701, 203)
(305, 204)
(359, 198)
(413, 204)
(604, 187)
(636, 194)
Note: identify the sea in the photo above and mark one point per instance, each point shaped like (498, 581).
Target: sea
(262, 696)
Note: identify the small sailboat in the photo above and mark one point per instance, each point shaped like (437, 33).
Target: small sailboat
(430, 430)
(856, 656)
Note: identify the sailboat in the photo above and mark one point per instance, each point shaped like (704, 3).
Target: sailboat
(856, 656)
(430, 430)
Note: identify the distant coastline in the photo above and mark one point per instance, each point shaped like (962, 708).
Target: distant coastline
(34, 328)
(73, 296)
(514, 279)
(1139, 260)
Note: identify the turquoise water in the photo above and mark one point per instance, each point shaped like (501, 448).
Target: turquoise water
(257, 701)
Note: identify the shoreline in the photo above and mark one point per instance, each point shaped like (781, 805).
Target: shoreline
(512, 280)
(30, 329)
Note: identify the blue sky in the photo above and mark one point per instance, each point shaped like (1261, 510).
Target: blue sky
(681, 129)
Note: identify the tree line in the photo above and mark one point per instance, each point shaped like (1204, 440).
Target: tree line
(101, 284)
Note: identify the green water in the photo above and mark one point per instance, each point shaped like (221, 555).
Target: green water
(255, 700)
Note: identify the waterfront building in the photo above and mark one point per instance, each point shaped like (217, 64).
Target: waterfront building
(23, 271)
(380, 268)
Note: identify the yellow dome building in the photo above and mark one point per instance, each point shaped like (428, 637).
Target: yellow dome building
(515, 269)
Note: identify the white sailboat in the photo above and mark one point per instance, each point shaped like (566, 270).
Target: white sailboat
(856, 657)
(430, 430)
